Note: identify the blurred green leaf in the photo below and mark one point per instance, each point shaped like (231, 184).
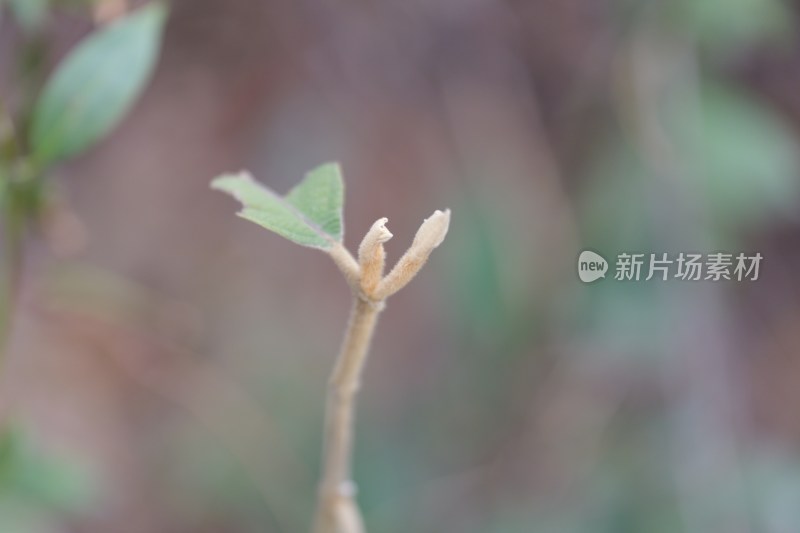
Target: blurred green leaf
(743, 157)
(29, 475)
(16, 516)
(310, 215)
(728, 25)
(30, 14)
(95, 86)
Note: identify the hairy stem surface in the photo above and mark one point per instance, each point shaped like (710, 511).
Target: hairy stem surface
(337, 511)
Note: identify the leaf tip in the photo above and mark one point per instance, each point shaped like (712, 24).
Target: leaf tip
(232, 183)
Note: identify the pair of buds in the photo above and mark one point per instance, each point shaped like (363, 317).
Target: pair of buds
(366, 277)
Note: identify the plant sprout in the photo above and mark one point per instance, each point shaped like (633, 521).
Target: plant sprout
(311, 215)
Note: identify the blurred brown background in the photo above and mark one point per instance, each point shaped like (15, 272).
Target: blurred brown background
(168, 360)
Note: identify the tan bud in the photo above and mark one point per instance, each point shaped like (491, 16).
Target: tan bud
(429, 235)
(372, 256)
(432, 231)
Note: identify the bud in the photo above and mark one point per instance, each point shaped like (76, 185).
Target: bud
(432, 231)
(429, 235)
(372, 256)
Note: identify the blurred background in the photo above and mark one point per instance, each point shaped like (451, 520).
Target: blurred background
(166, 361)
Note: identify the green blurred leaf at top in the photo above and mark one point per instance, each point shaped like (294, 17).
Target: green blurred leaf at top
(96, 85)
(741, 158)
(310, 215)
(725, 26)
(29, 14)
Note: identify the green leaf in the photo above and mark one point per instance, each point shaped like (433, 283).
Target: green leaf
(29, 474)
(310, 215)
(96, 85)
(726, 26)
(743, 155)
(30, 14)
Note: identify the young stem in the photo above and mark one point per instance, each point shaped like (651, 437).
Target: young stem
(337, 511)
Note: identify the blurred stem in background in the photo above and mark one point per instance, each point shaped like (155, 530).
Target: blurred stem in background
(61, 117)
(12, 224)
(47, 119)
(20, 179)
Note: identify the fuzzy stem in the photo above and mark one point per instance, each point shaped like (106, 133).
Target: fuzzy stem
(347, 265)
(337, 511)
